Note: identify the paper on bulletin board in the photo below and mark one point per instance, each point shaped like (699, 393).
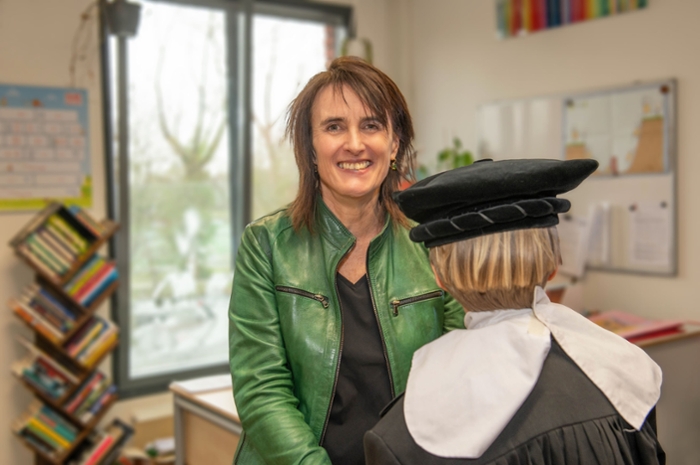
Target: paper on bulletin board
(574, 234)
(44, 152)
(650, 235)
(600, 230)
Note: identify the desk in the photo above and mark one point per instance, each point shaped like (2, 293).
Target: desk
(207, 427)
(678, 410)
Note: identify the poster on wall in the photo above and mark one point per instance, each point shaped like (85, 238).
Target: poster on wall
(44, 152)
(625, 130)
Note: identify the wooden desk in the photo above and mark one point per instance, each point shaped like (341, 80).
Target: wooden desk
(678, 410)
(207, 427)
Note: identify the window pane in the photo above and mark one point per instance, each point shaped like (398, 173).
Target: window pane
(180, 234)
(286, 54)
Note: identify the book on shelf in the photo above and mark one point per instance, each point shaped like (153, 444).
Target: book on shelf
(56, 238)
(37, 321)
(46, 429)
(48, 306)
(91, 280)
(89, 399)
(43, 376)
(90, 342)
(36, 352)
(635, 328)
(102, 447)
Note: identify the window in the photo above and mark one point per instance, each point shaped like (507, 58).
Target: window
(196, 171)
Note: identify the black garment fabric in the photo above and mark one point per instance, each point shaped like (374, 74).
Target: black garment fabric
(363, 387)
(566, 420)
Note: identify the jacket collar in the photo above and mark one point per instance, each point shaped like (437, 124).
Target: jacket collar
(335, 232)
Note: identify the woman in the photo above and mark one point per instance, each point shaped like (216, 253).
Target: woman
(530, 382)
(330, 297)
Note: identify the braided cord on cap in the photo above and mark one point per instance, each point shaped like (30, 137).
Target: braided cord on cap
(497, 215)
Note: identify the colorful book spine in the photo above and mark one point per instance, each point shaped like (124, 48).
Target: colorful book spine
(38, 250)
(76, 346)
(100, 450)
(47, 433)
(90, 268)
(49, 300)
(37, 262)
(93, 281)
(68, 232)
(36, 321)
(83, 391)
(99, 348)
(99, 287)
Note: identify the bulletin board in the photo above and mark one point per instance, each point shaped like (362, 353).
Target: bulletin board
(623, 218)
(44, 144)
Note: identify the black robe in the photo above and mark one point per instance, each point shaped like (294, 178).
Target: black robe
(566, 420)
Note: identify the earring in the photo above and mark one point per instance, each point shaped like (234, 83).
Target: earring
(393, 165)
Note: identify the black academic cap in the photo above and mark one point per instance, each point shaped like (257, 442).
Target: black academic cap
(491, 196)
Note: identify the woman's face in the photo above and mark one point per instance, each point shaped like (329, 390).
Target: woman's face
(353, 149)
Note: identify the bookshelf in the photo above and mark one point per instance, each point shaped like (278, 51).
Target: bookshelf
(71, 395)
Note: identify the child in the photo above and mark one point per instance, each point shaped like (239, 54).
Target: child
(528, 381)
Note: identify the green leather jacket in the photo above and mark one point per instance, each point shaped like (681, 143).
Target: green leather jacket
(285, 332)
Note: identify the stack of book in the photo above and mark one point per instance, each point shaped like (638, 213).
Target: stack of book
(103, 447)
(46, 430)
(54, 245)
(92, 279)
(43, 373)
(93, 394)
(45, 311)
(92, 340)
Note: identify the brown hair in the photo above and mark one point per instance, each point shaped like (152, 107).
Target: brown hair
(498, 271)
(383, 99)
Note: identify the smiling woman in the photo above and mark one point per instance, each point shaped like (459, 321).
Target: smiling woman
(330, 297)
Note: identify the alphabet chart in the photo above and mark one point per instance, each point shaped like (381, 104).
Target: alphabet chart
(44, 147)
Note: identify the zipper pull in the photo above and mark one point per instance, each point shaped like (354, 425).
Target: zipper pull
(395, 304)
(322, 299)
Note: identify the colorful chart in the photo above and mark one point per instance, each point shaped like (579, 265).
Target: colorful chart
(44, 147)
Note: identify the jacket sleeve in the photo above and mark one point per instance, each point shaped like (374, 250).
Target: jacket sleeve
(262, 383)
(454, 314)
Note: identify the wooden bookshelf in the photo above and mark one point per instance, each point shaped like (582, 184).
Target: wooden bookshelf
(61, 246)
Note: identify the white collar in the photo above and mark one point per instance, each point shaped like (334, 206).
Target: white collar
(463, 389)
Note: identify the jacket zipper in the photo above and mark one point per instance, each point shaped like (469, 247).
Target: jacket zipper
(340, 352)
(381, 331)
(396, 303)
(293, 290)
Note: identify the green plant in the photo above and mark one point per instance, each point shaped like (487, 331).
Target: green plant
(454, 157)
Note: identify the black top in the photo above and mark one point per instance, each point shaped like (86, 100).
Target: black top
(566, 420)
(363, 387)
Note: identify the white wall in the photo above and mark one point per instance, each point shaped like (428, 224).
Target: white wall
(458, 64)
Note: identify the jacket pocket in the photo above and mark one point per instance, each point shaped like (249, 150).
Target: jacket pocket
(396, 303)
(293, 290)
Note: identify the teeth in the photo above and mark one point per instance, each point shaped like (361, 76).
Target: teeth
(354, 166)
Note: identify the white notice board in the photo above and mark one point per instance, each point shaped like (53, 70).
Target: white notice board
(626, 211)
(44, 142)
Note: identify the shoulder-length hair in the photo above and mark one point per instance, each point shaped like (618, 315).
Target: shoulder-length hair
(382, 97)
(497, 271)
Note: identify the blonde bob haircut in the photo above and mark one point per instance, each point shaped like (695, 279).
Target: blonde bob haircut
(498, 271)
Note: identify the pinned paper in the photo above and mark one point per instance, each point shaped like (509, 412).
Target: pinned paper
(651, 235)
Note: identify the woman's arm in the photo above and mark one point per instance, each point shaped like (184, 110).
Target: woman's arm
(262, 382)
(454, 314)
